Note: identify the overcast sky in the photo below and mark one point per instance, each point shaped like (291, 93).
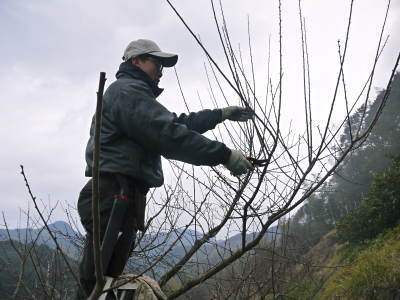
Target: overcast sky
(51, 54)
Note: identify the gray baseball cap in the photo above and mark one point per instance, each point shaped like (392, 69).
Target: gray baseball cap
(142, 46)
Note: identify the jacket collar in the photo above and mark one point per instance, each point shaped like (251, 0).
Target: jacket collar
(127, 69)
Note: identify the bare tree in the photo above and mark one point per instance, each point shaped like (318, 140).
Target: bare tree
(292, 166)
(179, 245)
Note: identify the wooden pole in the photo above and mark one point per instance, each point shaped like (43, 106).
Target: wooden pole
(95, 193)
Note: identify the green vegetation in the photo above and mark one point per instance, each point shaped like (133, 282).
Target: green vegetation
(379, 210)
(373, 274)
(370, 270)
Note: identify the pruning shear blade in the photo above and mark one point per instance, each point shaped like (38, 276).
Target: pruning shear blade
(257, 162)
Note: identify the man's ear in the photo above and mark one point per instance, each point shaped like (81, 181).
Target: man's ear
(135, 60)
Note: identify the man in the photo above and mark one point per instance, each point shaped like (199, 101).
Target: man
(136, 130)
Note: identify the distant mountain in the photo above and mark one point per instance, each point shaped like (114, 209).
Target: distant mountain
(164, 240)
(235, 241)
(66, 236)
(150, 247)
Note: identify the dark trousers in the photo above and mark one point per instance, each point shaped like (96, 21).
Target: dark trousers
(109, 188)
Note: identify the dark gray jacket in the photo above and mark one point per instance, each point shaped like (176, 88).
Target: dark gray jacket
(136, 130)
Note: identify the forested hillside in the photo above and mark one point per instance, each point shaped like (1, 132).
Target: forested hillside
(360, 258)
(351, 182)
(345, 239)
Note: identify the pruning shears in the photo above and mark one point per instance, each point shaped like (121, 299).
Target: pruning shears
(257, 162)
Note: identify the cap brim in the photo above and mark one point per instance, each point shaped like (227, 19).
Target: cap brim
(167, 59)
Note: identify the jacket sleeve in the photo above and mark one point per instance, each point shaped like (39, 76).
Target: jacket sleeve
(201, 121)
(153, 127)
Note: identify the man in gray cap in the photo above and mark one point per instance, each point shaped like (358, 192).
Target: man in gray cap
(136, 131)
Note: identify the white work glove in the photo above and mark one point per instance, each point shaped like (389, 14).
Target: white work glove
(238, 163)
(237, 113)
